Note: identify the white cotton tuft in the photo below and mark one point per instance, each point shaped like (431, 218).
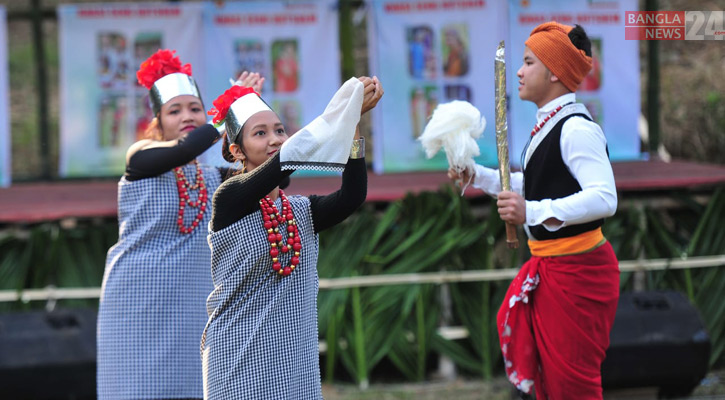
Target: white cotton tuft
(454, 127)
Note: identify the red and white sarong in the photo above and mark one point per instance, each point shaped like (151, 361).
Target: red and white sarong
(554, 323)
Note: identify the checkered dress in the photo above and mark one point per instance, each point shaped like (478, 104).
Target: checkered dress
(156, 281)
(261, 338)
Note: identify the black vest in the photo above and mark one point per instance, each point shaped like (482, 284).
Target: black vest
(547, 177)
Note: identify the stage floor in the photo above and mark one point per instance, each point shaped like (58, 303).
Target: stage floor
(48, 201)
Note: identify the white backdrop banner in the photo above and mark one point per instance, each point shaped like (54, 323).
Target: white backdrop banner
(424, 51)
(611, 91)
(429, 52)
(293, 44)
(103, 109)
(432, 51)
(5, 142)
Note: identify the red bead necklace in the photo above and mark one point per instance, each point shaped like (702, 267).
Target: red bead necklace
(546, 119)
(183, 185)
(273, 221)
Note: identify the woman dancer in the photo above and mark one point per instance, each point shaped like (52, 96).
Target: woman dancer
(261, 338)
(156, 281)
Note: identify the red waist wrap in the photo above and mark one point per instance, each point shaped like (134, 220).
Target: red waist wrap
(554, 323)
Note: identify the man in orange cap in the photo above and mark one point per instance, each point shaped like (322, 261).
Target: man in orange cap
(555, 320)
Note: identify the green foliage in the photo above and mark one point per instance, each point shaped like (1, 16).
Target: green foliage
(399, 322)
(371, 330)
(429, 232)
(47, 254)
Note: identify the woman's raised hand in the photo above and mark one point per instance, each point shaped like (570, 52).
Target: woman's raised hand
(372, 94)
(251, 79)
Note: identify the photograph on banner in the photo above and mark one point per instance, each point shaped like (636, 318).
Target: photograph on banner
(103, 108)
(611, 90)
(455, 49)
(421, 54)
(289, 112)
(249, 55)
(423, 100)
(144, 45)
(294, 46)
(113, 60)
(285, 76)
(428, 53)
(5, 140)
(112, 121)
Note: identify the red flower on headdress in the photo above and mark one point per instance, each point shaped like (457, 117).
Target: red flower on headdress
(225, 100)
(160, 64)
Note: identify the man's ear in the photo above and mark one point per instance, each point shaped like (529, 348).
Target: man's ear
(237, 152)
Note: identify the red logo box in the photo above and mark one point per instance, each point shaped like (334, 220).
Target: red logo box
(654, 25)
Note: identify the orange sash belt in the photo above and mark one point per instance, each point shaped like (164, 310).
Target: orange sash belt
(580, 243)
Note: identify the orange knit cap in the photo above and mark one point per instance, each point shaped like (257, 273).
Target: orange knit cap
(551, 44)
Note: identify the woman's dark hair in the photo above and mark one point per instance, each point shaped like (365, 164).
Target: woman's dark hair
(228, 156)
(580, 40)
(237, 168)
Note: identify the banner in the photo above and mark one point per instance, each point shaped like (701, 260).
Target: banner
(103, 110)
(5, 142)
(611, 91)
(426, 52)
(293, 44)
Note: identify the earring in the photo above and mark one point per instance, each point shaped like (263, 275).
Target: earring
(244, 166)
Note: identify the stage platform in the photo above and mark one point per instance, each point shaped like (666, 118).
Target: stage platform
(28, 203)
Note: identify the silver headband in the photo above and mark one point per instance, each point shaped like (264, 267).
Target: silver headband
(240, 111)
(170, 86)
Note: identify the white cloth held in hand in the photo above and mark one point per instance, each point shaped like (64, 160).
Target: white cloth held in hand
(324, 144)
(454, 126)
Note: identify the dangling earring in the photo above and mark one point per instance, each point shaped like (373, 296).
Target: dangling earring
(244, 166)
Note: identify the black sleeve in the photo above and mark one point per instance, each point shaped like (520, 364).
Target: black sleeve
(330, 210)
(154, 161)
(228, 172)
(239, 195)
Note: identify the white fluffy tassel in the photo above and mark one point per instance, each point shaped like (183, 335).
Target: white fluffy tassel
(454, 126)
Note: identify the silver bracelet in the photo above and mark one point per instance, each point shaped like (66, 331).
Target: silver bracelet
(358, 148)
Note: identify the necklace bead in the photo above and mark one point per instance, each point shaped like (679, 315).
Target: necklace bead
(183, 186)
(272, 219)
(546, 119)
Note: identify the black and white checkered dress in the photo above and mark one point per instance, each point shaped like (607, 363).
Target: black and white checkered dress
(156, 281)
(261, 338)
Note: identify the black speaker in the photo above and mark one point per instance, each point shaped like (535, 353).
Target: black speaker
(48, 355)
(658, 340)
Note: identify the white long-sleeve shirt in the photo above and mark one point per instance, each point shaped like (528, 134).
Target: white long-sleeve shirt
(583, 150)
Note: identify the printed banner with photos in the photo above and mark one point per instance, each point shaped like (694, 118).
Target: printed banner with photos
(103, 110)
(5, 141)
(293, 44)
(425, 53)
(611, 91)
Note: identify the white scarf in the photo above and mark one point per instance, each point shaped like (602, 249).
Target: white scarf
(324, 144)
